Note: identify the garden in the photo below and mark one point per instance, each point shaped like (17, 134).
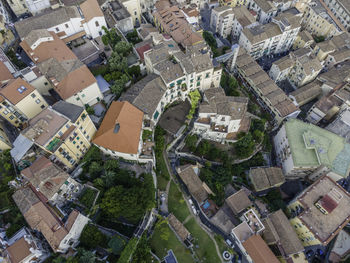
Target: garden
(163, 176)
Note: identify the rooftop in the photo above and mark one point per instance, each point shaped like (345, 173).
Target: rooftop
(20, 250)
(244, 17)
(242, 231)
(324, 226)
(265, 178)
(238, 201)
(121, 128)
(312, 146)
(341, 125)
(307, 92)
(71, 111)
(5, 74)
(278, 230)
(91, 9)
(16, 90)
(194, 184)
(178, 227)
(258, 250)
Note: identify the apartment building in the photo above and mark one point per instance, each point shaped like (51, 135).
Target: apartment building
(301, 148)
(182, 72)
(5, 143)
(303, 40)
(305, 69)
(221, 117)
(63, 131)
(54, 184)
(341, 11)
(338, 42)
(20, 102)
(280, 69)
(117, 16)
(172, 21)
(307, 93)
(264, 179)
(320, 212)
(268, 94)
(120, 133)
(242, 18)
(60, 236)
(6, 37)
(318, 22)
(272, 38)
(68, 22)
(221, 20)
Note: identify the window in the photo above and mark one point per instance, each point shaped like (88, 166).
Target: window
(38, 101)
(77, 98)
(6, 112)
(96, 23)
(33, 95)
(78, 138)
(57, 29)
(66, 25)
(24, 6)
(74, 142)
(42, 106)
(81, 142)
(21, 89)
(67, 126)
(46, 83)
(60, 133)
(11, 117)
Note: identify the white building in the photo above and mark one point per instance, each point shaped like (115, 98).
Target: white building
(221, 20)
(94, 19)
(280, 69)
(341, 10)
(36, 6)
(273, 38)
(220, 117)
(242, 19)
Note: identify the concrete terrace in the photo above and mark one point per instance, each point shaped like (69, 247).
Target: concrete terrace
(312, 146)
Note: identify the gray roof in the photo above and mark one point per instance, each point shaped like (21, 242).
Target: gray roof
(36, 34)
(20, 147)
(53, 68)
(146, 93)
(69, 110)
(47, 19)
(169, 70)
(25, 198)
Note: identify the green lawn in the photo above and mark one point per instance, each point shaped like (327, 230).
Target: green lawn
(206, 248)
(164, 239)
(221, 243)
(176, 203)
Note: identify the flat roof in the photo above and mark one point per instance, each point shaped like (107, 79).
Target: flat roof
(312, 146)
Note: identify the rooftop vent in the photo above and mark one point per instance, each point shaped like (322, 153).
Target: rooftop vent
(116, 128)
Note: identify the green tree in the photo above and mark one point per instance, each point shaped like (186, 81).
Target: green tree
(95, 169)
(117, 62)
(92, 237)
(87, 257)
(119, 85)
(111, 165)
(191, 141)
(245, 146)
(142, 253)
(123, 48)
(210, 39)
(203, 147)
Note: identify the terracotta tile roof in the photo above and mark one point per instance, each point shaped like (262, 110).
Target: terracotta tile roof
(258, 250)
(91, 9)
(16, 90)
(50, 49)
(142, 50)
(5, 74)
(127, 138)
(19, 250)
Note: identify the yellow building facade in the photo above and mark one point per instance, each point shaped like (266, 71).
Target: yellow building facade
(5, 143)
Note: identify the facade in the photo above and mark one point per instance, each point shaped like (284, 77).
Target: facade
(18, 7)
(337, 43)
(60, 236)
(268, 94)
(94, 19)
(20, 102)
(301, 148)
(220, 117)
(320, 212)
(275, 37)
(55, 185)
(318, 22)
(134, 9)
(303, 40)
(5, 143)
(341, 11)
(6, 37)
(36, 6)
(280, 69)
(64, 131)
(120, 133)
(307, 93)
(222, 20)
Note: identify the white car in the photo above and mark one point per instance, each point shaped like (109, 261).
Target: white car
(194, 210)
(190, 201)
(229, 243)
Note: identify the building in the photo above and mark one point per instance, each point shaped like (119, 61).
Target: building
(55, 185)
(275, 37)
(257, 251)
(134, 9)
(281, 237)
(6, 37)
(221, 20)
(341, 247)
(5, 143)
(148, 95)
(68, 22)
(221, 117)
(280, 69)
(18, 7)
(338, 42)
(94, 19)
(307, 93)
(120, 133)
(37, 6)
(318, 22)
(341, 12)
(243, 18)
(341, 125)
(320, 212)
(23, 247)
(117, 16)
(268, 94)
(264, 179)
(5, 74)
(302, 147)
(325, 109)
(199, 190)
(20, 102)
(182, 72)
(303, 40)
(60, 236)
(306, 67)
(172, 20)
(180, 230)
(63, 131)
(238, 202)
